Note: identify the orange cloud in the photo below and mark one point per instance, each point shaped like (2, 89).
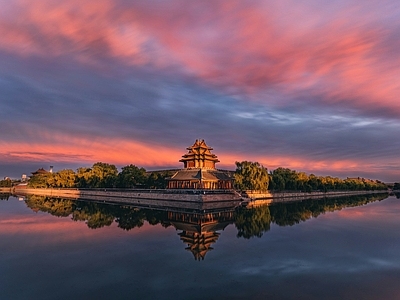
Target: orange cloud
(70, 148)
(86, 150)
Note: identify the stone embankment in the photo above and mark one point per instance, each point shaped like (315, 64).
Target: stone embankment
(191, 199)
(188, 199)
(254, 197)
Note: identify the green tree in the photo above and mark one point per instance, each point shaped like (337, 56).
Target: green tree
(132, 176)
(103, 175)
(6, 183)
(82, 178)
(41, 180)
(158, 180)
(100, 175)
(62, 179)
(251, 176)
(284, 179)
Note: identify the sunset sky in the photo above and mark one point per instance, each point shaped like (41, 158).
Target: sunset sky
(308, 85)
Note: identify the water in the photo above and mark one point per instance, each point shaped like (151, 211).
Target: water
(331, 249)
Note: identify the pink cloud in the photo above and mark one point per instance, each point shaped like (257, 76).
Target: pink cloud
(338, 57)
(88, 29)
(341, 60)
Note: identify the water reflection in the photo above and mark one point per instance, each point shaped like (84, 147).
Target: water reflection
(4, 196)
(198, 230)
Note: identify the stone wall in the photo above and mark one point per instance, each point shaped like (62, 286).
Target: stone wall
(164, 199)
(166, 195)
(195, 199)
(297, 196)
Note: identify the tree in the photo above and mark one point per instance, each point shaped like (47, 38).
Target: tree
(6, 183)
(251, 176)
(82, 178)
(62, 179)
(41, 180)
(284, 179)
(132, 176)
(158, 180)
(103, 175)
(100, 175)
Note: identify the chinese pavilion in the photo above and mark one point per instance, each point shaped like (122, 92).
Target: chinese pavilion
(199, 170)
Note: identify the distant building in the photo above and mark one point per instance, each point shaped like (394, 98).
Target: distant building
(199, 170)
(42, 171)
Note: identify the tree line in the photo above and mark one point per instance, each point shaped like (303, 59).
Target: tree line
(247, 176)
(396, 186)
(255, 221)
(254, 176)
(101, 175)
(6, 183)
(249, 222)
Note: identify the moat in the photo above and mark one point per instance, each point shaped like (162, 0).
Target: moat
(330, 248)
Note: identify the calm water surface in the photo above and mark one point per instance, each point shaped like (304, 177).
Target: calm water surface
(331, 249)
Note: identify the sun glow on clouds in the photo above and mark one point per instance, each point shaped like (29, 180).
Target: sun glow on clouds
(251, 48)
(334, 63)
(67, 148)
(123, 152)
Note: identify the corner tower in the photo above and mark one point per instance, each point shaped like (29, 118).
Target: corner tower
(199, 170)
(199, 156)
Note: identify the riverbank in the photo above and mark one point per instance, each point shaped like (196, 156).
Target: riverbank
(177, 199)
(259, 198)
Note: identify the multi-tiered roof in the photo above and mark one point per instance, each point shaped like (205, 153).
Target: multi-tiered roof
(199, 170)
(199, 156)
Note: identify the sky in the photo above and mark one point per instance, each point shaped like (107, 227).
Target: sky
(307, 85)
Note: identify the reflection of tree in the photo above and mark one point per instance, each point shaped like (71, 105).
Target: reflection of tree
(4, 196)
(288, 214)
(96, 215)
(128, 219)
(252, 222)
(55, 206)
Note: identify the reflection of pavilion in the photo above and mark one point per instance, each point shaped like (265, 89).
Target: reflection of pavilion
(199, 231)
